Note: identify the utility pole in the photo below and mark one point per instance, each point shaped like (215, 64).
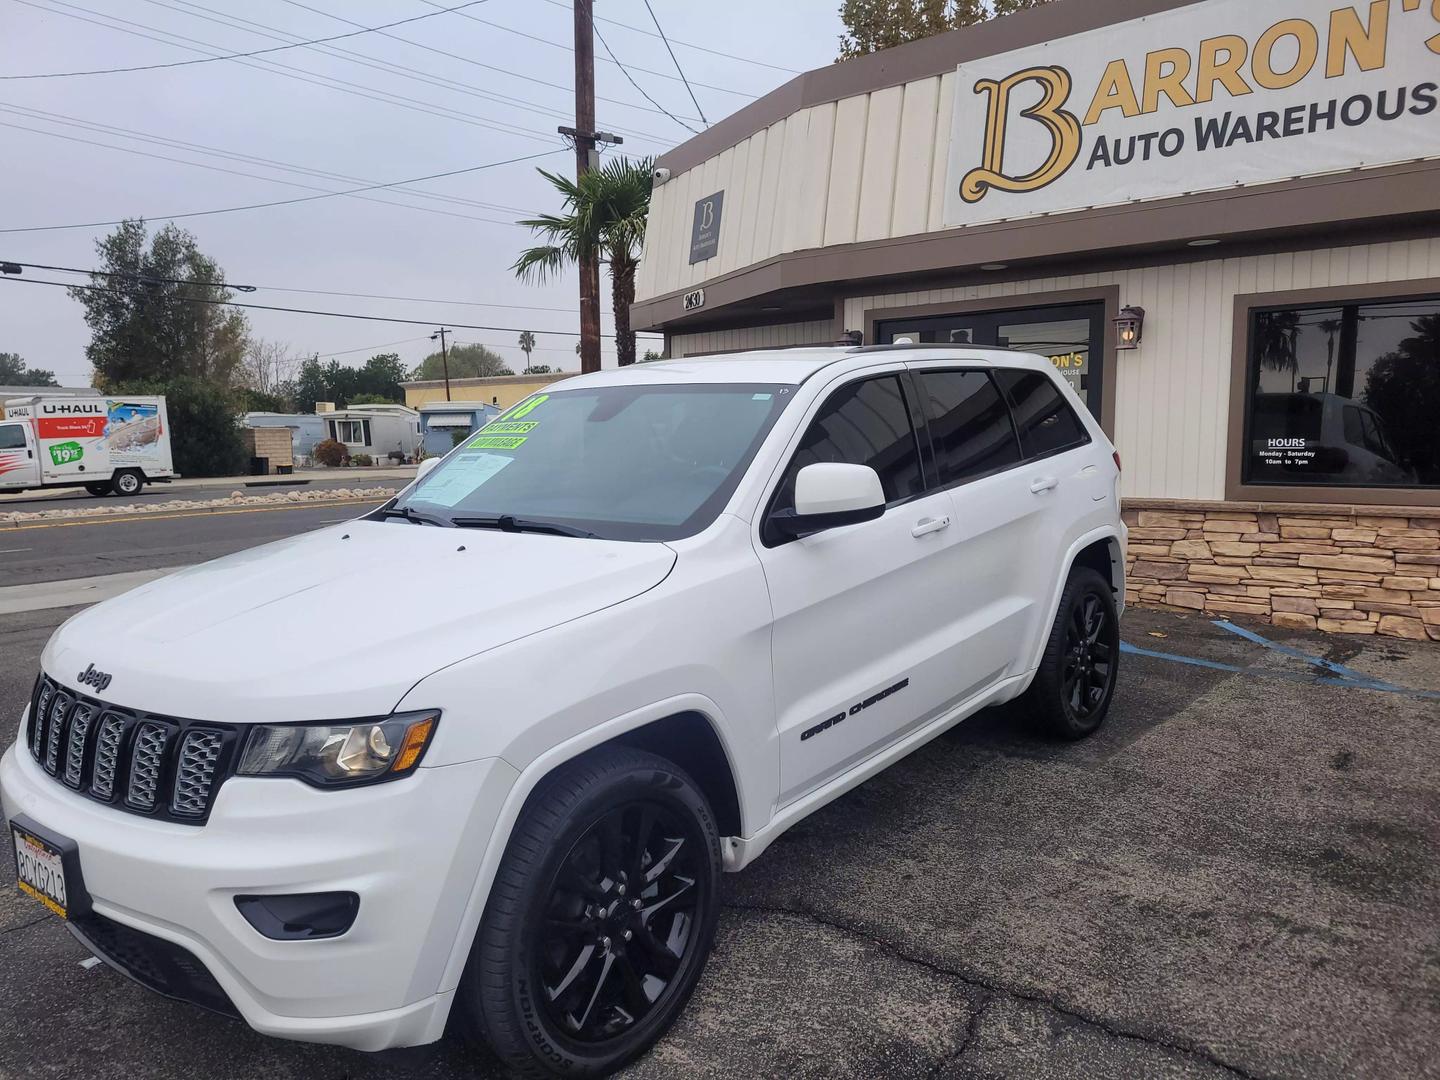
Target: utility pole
(444, 358)
(585, 137)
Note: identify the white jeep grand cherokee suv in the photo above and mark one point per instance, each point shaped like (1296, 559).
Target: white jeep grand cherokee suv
(486, 750)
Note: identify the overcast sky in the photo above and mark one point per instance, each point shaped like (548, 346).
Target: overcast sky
(232, 113)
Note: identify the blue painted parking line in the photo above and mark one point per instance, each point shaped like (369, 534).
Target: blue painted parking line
(1315, 661)
(1359, 683)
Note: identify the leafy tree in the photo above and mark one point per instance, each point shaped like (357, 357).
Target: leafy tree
(527, 343)
(378, 382)
(157, 312)
(466, 362)
(374, 399)
(872, 25)
(603, 212)
(259, 401)
(13, 372)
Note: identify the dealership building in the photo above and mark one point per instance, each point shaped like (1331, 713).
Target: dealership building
(1219, 219)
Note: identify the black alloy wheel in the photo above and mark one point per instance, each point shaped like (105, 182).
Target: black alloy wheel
(600, 918)
(621, 915)
(1089, 657)
(1072, 689)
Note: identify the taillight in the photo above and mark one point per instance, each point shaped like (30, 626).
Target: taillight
(1116, 455)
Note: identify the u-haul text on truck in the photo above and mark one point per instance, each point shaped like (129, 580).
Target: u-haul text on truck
(104, 444)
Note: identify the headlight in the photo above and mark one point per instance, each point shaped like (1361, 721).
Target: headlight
(338, 754)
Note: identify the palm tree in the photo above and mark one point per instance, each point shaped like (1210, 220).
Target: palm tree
(604, 212)
(527, 342)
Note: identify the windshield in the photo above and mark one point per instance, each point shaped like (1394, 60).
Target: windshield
(619, 462)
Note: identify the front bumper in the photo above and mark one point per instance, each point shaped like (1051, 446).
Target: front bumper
(411, 849)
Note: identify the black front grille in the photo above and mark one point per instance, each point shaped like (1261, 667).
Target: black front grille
(153, 962)
(157, 766)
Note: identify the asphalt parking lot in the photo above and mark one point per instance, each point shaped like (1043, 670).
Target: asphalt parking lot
(1238, 876)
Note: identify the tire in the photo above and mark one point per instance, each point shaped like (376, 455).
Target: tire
(1075, 683)
(128, 482)
(566, 976)
(99, 490)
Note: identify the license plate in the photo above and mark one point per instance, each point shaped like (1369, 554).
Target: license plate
(47, 868)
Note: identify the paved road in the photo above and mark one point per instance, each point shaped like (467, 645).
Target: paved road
(1239, 876)
(76, 548)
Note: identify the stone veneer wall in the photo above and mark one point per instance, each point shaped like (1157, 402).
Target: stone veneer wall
(1342, 569)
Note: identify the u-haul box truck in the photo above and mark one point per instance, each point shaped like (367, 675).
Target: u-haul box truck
(104, 444)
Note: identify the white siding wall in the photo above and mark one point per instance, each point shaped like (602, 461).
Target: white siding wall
(821, 331)
(867, 167)
(1172, 394)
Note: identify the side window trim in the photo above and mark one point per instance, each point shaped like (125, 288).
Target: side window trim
(933, 472)
(911, 401)
(1025, 459)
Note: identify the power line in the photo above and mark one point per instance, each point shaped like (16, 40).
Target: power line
(93, 126)
(282, 202)
(307, 311)
(283, 289)
(626, 72)
(363, 60)
(253, 176)
(243, 55)
(274, 67)
(507, 72)
(683, 44)
(570, 48)
(675, 60)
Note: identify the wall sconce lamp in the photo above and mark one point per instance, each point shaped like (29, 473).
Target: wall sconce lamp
(1128, 327)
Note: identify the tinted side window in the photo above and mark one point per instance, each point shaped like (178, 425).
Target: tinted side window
(12, 437)
(1045, 421)
(864, 423)
(970, 424)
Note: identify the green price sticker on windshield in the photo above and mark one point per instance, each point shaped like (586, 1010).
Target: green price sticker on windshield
(524, 409)
(505, 427)
(495, 442)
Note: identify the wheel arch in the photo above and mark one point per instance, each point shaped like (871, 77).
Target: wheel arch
(1102, 550)
(689, 727)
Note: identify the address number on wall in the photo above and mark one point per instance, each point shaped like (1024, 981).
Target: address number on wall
(694, 299)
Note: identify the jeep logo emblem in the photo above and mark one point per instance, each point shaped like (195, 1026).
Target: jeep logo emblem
(90, 677)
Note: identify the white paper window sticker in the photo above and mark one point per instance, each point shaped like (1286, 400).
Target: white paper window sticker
(456, 481)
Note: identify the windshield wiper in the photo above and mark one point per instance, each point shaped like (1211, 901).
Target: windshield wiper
(510, 523)
(405, 513)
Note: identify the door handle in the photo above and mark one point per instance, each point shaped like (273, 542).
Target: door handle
(1043, 483)
(930, 525)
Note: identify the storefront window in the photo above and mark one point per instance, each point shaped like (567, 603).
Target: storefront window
(1071, 335)
(1345, 395)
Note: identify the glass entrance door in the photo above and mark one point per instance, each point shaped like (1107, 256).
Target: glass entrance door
(1072, 336)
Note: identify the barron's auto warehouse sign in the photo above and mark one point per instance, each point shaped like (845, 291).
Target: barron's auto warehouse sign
(1205, 96)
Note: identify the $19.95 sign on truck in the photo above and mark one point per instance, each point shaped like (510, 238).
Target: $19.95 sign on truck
(1201, 97)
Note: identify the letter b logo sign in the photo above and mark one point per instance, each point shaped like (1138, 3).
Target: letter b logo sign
(1062, 126)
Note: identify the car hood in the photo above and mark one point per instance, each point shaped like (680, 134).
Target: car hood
(341, 622)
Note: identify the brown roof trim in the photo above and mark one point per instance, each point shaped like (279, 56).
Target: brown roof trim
(1367, 197)
(905, 63)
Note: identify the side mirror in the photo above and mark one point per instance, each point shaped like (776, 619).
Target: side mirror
(425, 467)
(829, 495)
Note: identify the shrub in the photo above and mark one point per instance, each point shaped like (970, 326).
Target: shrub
(330, 452)
(396, 457)
(457, 437)
(363, 460)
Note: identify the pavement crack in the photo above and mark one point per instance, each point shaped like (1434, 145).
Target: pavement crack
(1175, 1043)
(23, 926)
(971, 1030)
